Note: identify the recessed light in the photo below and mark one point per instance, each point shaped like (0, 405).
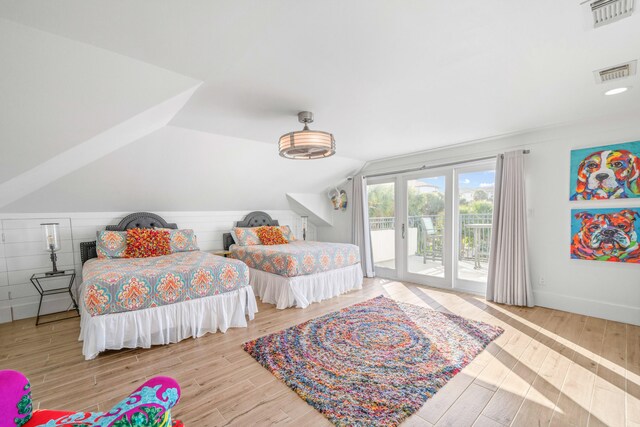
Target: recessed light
(616, 91)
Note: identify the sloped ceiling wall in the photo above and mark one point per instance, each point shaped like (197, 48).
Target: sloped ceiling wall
(73, 120)
(185, 170)
(57, 93)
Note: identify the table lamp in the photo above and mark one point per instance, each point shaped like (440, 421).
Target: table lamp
(305, 222)
(51, 233)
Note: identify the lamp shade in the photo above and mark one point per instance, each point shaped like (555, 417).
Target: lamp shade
(51, 235)
(307, 144)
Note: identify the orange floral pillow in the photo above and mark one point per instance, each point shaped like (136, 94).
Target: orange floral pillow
(146, 242)
(271, 235)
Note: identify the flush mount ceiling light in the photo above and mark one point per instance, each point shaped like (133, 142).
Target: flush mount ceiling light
(307, 144)
(616, 91)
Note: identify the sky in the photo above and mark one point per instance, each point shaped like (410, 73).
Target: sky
(467, 181)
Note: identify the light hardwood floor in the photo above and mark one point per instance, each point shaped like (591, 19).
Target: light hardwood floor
(548, 368)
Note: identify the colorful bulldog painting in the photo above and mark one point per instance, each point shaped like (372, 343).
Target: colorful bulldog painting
(606, 234)
(606, 172)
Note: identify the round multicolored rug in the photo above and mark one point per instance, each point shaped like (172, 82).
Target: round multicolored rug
(373, 363)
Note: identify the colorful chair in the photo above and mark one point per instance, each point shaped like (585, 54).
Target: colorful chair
(149, 405)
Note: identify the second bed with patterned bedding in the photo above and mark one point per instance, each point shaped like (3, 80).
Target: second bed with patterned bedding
(297, 258)
(127, 284)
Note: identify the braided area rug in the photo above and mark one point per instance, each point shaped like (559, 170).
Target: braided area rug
(373, 363)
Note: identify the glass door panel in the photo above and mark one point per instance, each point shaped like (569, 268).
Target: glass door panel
(475, 215)
(434, 228)
(425, 235)
(382, 220)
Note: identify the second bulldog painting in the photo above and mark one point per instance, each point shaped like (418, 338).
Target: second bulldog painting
(606, 172)
(606, 234)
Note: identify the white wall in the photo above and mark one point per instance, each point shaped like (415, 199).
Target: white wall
(601, 289)
(341, 229)
(21, 252)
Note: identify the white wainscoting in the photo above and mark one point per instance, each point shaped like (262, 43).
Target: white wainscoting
(22, 249)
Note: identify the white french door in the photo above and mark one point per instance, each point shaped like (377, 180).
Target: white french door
(434, 227)
(473, 213)
(426, 218)
(383, 205)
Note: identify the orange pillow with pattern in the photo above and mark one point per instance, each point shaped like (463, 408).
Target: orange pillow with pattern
(271, 236)
(147, 242)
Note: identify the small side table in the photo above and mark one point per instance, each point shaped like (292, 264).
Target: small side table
(38, 277)
(222, 253)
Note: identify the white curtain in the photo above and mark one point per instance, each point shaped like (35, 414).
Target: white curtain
(508, 281)
(361, 228)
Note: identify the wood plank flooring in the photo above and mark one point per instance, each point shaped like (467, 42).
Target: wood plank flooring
(548, 368)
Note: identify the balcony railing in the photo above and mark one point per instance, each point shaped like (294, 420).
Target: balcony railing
(474, 235)
(382, 223)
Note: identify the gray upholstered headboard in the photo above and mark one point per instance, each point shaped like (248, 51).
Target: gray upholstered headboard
(134, 220)
(253, 219)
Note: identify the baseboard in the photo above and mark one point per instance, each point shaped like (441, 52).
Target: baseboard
(604, 310)
(5, 315)
(52, 304)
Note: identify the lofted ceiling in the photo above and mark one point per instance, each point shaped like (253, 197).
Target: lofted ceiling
(387, 78)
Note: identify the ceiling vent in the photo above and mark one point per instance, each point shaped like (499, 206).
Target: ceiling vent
(607, 11)
(617, 72)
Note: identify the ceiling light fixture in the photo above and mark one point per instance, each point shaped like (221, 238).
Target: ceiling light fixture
(307, 144)
(616, 91)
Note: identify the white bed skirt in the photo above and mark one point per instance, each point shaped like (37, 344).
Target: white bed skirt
(166, 324)
(300, 291)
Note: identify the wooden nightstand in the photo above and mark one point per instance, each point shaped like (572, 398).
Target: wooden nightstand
(222, 253)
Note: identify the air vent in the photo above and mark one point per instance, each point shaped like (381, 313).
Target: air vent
(617, 72)
(607, 11)
(614, 73)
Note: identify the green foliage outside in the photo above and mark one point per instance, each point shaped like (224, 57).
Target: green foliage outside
(476, 207)
(382, 205)
(381, 202)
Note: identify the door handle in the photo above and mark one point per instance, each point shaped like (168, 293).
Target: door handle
(403, 231)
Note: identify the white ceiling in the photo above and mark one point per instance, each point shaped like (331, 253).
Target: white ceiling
(385, 77)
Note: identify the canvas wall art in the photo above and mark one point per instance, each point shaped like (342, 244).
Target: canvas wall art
(606, 234)
(606, 172)
(338, 199)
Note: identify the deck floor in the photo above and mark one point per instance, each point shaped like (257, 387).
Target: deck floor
(466, 268)
(548, 368)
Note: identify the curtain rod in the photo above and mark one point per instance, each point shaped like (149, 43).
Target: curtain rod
(441, 165)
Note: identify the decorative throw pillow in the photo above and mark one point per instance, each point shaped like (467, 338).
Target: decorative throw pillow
(245, 236)
(233, 236)
(287, 233)
(183, 240)
(111, 244)
(271, 236)
(146, 242)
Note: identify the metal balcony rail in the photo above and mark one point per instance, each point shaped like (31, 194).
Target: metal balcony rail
(473, 242)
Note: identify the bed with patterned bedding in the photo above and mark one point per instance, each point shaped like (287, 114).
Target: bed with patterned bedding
(140, 302)
(297, 273)
(154, 300)
(127, 284)
(297, 258)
